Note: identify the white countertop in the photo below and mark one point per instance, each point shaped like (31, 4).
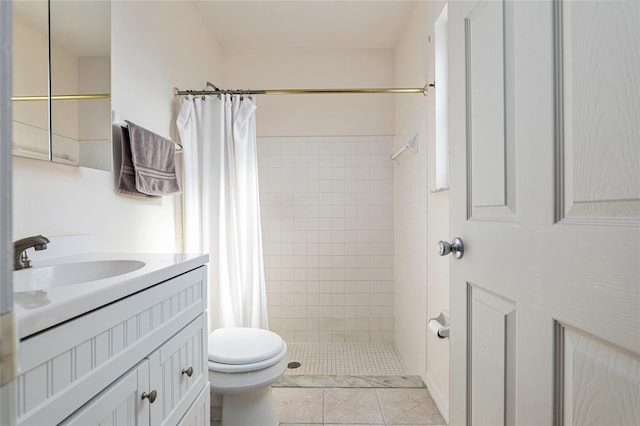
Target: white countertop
(54, 305)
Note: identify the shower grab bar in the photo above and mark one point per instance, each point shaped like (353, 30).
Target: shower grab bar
(412, 143)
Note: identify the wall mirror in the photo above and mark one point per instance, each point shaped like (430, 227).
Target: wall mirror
(61, 81)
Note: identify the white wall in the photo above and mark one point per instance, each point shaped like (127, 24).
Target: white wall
(421, 217)
(410, 177)
(155, 46)
(316, 115)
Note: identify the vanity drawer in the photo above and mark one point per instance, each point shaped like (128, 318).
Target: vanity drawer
(179, 370)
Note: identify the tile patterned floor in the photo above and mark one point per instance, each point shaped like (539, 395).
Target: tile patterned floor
(331, 406)
(357, 359)
(350, 384)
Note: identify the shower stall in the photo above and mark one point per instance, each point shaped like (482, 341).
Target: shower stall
(327, 206)
(328, 234)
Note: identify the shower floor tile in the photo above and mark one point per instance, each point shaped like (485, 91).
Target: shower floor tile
(356, 359)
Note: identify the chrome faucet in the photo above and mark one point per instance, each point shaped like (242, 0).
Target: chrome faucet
(20, 258)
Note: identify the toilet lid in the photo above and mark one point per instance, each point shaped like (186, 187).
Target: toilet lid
(240, 345)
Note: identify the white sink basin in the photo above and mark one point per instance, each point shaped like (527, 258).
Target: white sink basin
(39, 278)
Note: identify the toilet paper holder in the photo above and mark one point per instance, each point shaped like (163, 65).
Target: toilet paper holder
(440, 324)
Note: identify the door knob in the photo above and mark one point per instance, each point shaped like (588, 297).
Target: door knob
(456, 247)
(188, 371)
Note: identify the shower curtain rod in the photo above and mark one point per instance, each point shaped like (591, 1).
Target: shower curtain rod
(216, 91)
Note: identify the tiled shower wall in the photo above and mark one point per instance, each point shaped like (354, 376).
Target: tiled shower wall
(327, 225)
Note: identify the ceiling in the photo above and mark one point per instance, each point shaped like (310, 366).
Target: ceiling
(306, 24)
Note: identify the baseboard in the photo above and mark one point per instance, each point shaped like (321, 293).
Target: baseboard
(437, 398)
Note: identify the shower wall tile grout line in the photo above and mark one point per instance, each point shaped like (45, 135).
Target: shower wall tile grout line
(328, 234)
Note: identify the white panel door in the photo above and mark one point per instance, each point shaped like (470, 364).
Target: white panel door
(545, 193)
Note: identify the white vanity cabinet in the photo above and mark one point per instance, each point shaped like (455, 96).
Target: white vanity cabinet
(141, 360)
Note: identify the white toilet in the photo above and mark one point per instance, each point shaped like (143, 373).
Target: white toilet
(243, 363)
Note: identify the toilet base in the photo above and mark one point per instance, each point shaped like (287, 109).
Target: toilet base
(249, 408)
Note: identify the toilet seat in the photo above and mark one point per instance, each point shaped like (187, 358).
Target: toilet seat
(241, 349)
(243, 364)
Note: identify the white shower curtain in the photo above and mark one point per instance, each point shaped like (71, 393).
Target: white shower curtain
(222, 206)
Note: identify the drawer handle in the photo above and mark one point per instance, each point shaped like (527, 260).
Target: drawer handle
(151, 396)
(188, 371)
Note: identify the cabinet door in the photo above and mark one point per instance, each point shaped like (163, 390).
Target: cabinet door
(119, 404)
(178, 372)
(199, 412)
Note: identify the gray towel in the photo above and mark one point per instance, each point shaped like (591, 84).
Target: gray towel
(126, 178)
(154, 162)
